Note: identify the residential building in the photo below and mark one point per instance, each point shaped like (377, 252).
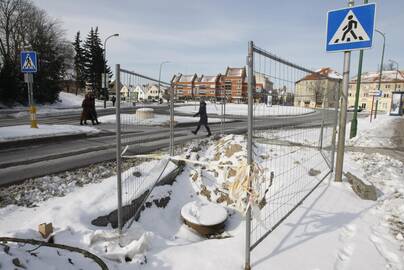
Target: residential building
(391, 81)
(317, 88)
(263, 88)
(234, 84)
(152, 92)
(183, 86)
(207, 87)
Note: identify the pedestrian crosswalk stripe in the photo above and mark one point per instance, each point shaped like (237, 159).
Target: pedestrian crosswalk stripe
(349, 31)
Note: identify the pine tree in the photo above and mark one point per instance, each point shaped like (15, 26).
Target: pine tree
(79, 62)
(94, 61)
(88, 60)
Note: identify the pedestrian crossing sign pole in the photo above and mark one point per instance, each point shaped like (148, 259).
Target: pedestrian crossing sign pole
(348, 29)
(28, 67)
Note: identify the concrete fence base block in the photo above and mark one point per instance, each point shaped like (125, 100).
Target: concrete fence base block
(145, 113)
(366, 191)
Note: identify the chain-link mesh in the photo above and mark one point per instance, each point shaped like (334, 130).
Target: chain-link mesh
(294, 128)
(143, 129)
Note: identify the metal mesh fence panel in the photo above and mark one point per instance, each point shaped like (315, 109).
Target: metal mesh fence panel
(294, 123)
(144, 127)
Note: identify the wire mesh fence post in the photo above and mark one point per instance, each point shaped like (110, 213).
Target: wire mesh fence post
(118, 145)
(172, 120)
(250, 72)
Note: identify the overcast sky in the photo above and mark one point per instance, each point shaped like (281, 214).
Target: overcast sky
(207, 36)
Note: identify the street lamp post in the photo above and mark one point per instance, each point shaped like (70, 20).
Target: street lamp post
(161, 65)
(395, 84)
(105, 86)
(380, 73)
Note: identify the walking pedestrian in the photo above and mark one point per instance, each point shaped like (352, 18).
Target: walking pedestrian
(113, 99)
(93, 112)
(86, 113)
(203, 118)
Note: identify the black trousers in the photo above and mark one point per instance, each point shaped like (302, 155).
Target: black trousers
(204, 124)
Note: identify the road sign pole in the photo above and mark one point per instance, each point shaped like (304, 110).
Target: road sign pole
(354, 123)
(29, 79)
(342, 123)
(371, 109)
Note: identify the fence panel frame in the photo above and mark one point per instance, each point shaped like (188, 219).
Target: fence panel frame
(252, 49)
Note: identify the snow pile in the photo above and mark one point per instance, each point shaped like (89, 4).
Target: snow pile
(24, 132)
(130, 246)
(213, 182)
(375, 134)
(242, 109)
(204, 213)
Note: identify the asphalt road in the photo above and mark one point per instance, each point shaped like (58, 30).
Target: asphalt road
(19, 162)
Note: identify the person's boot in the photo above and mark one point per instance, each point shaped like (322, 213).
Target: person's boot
(85, 122)
(209, 134)
(194, 132)
(81, 122)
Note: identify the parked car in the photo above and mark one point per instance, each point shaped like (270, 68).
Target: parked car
(352, 108)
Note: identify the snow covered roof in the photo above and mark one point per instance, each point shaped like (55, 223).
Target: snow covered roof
(187, 78)
(387, 76)
(328, 72)
(235, 72)
(212, 79)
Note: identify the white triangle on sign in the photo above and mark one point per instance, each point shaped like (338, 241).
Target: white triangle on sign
(28, 64)
(349, 31)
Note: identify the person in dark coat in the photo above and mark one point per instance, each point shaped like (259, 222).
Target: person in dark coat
(93, 112)
(86, 113)
(113, 99)
(203, 118)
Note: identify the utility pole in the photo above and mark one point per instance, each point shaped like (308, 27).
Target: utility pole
(105, 86)
(381, 68)
(343, 114)
(354, 123)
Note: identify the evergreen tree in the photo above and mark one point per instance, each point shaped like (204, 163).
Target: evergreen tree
(94, 61)
(79, 62)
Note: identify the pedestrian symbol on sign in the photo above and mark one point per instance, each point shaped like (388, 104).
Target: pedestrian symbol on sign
(349, 31)
(28, 63)
(350, 28)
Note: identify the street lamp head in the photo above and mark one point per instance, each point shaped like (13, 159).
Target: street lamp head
(116, 35)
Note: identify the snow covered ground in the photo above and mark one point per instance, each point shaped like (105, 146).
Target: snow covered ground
(332, 229)
(158, 119)
(24, 132)
(242, 109)
(378, 133)
(67, 103)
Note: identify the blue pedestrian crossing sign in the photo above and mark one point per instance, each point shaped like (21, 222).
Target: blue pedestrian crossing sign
(28, 62)
(350, 28)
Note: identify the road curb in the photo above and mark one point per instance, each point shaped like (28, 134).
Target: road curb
(54, 138)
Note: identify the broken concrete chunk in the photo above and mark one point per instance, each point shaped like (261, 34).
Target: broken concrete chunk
(314, 172)
(365, 191)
